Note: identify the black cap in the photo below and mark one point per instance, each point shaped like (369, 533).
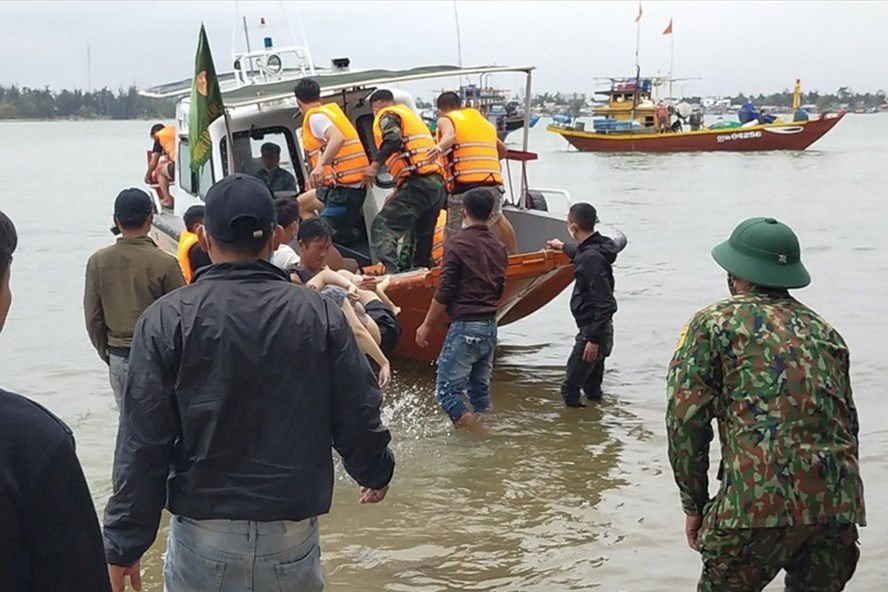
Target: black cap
(132, 206)
(240, 207)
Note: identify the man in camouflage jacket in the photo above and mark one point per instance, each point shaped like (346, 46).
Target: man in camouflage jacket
(776, 377)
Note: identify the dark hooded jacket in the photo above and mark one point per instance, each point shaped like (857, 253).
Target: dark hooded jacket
(238, 385)
(592, 303)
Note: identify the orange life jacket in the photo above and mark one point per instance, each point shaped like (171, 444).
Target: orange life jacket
(473, 158)
(167, 139)
(186, 241)
(345, 168)
(417, 139)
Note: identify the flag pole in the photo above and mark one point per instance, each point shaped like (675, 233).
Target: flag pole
(671, 58)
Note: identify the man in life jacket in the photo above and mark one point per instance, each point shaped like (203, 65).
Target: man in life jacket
(337, 159)
(191, 255)
(405, 144)
(162, 164)
(471, 151)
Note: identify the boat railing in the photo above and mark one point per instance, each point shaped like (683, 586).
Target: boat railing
(267, 64)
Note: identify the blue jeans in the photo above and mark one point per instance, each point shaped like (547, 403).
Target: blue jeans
(237, 555)
(465, 364)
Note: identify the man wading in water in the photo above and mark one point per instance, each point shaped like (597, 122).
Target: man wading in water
(238, 385)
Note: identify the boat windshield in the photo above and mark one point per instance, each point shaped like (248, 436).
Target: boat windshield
(248, 150)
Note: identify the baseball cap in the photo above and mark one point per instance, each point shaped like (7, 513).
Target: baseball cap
(132, 206)
(240, 207)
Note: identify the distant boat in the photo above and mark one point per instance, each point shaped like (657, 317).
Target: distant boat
(628, 126)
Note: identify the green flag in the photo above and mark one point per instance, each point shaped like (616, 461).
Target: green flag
(206, 104)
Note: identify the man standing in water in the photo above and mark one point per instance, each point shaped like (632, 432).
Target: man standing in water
(122, 281)
(49, 534)
(222, 425)
(776, 377)
(592, 303)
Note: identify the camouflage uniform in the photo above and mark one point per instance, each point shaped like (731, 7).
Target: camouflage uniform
(776, 377)
(411, 213)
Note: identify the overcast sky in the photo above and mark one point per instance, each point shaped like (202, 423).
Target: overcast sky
(733, 46)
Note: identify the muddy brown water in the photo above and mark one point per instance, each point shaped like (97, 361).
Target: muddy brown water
(554, 499)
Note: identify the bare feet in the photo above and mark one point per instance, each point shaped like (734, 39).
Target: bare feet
(472, 423)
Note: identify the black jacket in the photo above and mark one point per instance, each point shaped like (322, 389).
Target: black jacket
(592, 303)
(49, 533)
(237, 386)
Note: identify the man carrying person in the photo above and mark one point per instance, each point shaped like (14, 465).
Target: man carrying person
(775, 376)
(337, 158)
(405, 144)
(222, 427)
(162, 164)
(471, 153)
(473, 275)
(592, 303)
(191, 256)
(49, 534)
(271, 173)
(122, 280)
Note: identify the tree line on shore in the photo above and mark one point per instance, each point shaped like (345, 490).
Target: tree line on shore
(43, 103)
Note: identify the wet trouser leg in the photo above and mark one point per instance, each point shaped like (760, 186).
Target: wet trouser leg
(465, 361)
(580, 375)
(817, 558)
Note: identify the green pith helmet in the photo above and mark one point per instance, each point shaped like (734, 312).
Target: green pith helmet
(764, 252)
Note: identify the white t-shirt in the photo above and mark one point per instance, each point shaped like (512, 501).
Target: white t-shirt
(319, 123)
(284, 257)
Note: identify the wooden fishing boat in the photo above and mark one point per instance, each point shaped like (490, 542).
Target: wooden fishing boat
(260, 108)
(795, 135)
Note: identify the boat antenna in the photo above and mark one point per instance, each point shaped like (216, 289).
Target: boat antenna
(637, 63)
(458, 41)
(89, 83)
(311, 66)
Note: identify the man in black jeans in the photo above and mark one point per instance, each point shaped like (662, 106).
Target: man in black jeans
(49, 534)
(592, 303)
(238, 385)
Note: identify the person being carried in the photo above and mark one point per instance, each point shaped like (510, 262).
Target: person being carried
(337, 159)
(471, 151)
(314, 240)
(288, 219)
(49, 533)
(775, 377)
(124, 279)
(405, 144)
(592, 303)
(192, 257)
(232, 351)
(472, 279)
(271, 173)
(162, 164)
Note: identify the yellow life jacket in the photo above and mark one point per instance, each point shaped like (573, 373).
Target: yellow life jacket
(345, 168)
(186, 241)
(473, 158)
(417, 139)
(167, 139)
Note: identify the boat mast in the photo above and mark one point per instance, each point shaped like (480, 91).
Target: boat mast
(637, 66)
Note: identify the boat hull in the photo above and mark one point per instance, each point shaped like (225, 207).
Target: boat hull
(533, 278)
(782, 136)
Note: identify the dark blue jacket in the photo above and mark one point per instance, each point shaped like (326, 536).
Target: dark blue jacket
(592, 303)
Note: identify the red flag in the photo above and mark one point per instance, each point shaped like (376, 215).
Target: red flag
(638, 18)
(668, 30)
